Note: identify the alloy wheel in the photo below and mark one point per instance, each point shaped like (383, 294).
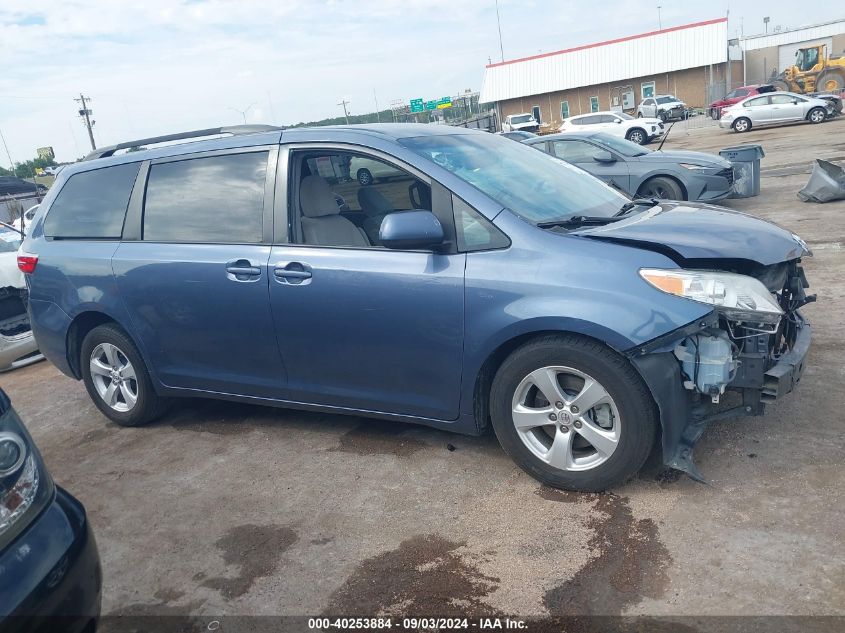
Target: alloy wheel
(817, 116)
(114, 377)
(566, 418)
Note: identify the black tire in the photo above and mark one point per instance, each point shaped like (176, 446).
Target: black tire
(662, 116)
(365, 177)
(637, 135)
(661, 187)
(149, 404)
(741, 125)
(780, 85)
(637, 411)
(836, 80)
(817, 115)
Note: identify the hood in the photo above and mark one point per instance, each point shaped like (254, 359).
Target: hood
(683, 156)
(647, 120)
(669, 105)
(10, 274)
(688, 231)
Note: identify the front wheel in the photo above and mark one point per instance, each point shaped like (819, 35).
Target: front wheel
(572, 413)
(117, 378)
(637, 136)
(661, 187)
(741, 125)
(364, 177)
(816, 115)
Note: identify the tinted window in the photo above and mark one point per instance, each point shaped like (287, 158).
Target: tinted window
(474, 232)
(92, 204)
(575, 151)
(666, 99)
(607, 118)
(214, 199)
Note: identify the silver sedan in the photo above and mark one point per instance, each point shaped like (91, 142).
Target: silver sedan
(774, 108)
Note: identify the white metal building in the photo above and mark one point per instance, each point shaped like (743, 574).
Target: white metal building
(681, 60)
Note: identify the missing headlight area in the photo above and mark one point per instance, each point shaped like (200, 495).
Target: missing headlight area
(13, 317)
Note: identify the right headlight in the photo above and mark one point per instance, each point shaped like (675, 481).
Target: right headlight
(25, 487)
(738, 297)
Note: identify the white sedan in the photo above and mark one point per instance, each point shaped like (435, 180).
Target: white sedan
(639, 131)
(774, 108)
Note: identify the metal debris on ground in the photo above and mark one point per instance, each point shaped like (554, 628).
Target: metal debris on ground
(827, 183)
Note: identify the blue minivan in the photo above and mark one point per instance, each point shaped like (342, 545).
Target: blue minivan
(484, 283)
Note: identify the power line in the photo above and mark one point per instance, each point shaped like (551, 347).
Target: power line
(85, 113)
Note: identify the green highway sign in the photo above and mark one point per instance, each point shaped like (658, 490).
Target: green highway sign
(417, 105)
(445, 102)
(431, 105)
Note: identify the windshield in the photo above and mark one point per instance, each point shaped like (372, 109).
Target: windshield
(532, 184)
(666, 99)
(9, 240)
(626, 148)
(522, 118)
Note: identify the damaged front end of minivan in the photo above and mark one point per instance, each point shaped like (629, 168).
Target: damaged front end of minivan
(749, 351)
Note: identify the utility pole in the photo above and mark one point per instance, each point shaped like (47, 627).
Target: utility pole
(345, 103)
(243, 112)
(85, 113)
(499, 23)
(375, 98)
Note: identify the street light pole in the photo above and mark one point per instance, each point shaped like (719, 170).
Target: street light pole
(659, 20)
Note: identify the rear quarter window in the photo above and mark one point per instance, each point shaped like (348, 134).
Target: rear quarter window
(92, 204)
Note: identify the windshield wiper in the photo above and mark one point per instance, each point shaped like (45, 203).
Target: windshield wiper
(637, 202)
(580, 220)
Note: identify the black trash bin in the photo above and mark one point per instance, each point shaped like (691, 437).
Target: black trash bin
(746, 162)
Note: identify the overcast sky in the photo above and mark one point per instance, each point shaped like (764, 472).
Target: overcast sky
(161, 66)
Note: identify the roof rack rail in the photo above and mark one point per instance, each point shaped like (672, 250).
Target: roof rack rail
(235, 130)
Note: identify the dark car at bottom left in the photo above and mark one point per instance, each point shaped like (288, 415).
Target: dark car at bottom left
(50, 576)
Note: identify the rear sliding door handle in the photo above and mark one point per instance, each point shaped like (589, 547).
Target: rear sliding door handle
(292, 273)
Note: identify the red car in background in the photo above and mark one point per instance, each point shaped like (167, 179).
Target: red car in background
(735, 96)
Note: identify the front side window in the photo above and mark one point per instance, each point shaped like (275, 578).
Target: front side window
(575, 151)
(534, 185)
(216, 199)
(344, 196)
(92, 204)
(782, 99)
(621, 145)
(665, 99)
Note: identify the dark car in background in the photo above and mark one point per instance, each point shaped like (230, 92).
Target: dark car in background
(641, 172)
(517, 135)
(12, 186)
(50, 575)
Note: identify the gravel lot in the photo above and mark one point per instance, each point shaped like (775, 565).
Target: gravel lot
(231, 509)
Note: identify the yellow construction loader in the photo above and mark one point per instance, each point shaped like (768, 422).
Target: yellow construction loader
(813, 71)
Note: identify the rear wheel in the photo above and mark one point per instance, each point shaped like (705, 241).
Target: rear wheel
(816, 115)
(117, 378)
(781, 85)
(742, 125)
(637, 135)
(572, 413)
(661, 187)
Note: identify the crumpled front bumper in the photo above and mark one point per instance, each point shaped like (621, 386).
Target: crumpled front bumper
(683, 420)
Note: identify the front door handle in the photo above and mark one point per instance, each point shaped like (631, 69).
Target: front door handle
(242, 270)
(292, 273)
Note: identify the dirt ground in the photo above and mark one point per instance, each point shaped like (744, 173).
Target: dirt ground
(231, 509)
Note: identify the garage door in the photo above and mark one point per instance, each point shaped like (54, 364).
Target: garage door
(786, 53)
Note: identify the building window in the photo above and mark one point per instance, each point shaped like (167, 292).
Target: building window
(535, 111)
(647, 89)
(564, 109)
(594, 104)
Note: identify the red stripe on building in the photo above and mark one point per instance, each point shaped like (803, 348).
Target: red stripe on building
(616, 41)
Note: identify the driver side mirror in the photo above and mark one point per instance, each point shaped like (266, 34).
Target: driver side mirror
(604, 157)
(795, 102)
(619, 121)
(413, 230)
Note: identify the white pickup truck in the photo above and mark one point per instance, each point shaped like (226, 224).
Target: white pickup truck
(525, 122)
